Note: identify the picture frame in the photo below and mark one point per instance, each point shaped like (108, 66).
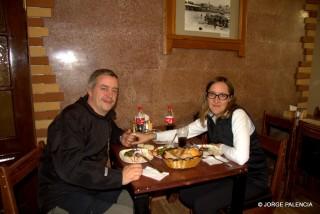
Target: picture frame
(200, 24)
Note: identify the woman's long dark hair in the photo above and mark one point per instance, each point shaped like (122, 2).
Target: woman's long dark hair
(231, 105)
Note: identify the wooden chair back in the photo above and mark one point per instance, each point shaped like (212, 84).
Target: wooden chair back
(276, 122)
(305, 153)
(277, 149)
(12, 173)
(280, 127)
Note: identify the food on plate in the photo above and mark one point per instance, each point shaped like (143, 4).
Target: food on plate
(158, 152)
(135, 155)
(182, 158)
(146, 146)
(210, 149)
(129, 153)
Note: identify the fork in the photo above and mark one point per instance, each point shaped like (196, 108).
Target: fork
(149, 161)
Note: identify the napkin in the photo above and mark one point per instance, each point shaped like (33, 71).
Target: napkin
(211, 160)
(221, 158)
(153, 173)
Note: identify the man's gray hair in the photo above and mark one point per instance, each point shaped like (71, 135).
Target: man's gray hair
(93, 77)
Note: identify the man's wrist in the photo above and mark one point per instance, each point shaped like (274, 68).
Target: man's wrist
(122, 139)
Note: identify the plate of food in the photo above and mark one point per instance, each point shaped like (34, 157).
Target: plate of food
(210, 149)
(146, 146)
(135, 155)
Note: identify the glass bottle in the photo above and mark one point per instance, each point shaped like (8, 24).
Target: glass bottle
(140, 120)
(169, 119)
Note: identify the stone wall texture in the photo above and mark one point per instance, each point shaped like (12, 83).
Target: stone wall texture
(127, 36)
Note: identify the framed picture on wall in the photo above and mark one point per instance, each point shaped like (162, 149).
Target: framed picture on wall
(205, 24)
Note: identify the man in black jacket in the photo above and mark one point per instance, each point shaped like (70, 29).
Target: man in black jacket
(73, 173)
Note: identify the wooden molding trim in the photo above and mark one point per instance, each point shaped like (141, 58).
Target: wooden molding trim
(313, 1)
(303, 100)
(302, 105)
(302, 88)
(306, 70)
(48, 97)
(303, 76)
(41, 69)
(46, 106)
(39, 60)
(37, 31)
(35, 51)
(39, 12)
(35, 22)
(42, 124)
(307, 39)
(305, 94)
(46, 93)
(303, 82)
(305, 64)
(40, 3)
(42, 88)
(45, 115)
(41, 132)
(308, 52)
(310, 26)
(35, 41)
(311, 7)
(43, 79)
(305, 67)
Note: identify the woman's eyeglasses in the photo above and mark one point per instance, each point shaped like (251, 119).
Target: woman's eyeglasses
(221, 96)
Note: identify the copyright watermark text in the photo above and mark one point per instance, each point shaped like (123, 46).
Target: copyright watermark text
(278, 204)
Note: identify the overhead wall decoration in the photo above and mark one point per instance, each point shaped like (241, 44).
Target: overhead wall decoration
(206, 25)
(303, 74)
(47, 96)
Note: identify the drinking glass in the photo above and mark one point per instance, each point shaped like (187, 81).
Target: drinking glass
(182, 134)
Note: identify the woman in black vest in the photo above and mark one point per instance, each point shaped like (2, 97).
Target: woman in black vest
(231, 129)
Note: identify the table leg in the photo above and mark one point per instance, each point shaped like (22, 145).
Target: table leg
(238, 193)
(141, 204)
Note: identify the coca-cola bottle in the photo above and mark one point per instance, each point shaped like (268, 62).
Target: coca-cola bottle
(140, 120)
(169, 119)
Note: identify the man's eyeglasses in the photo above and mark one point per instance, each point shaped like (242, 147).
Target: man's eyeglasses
(212, 95)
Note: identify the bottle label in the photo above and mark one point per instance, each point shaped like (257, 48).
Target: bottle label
(169, 120)
(139, 121)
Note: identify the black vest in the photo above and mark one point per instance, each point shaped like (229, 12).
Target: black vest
(221, 132)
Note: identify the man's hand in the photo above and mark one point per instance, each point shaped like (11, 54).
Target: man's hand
(128, 138)
(143, 138)
(131, 173)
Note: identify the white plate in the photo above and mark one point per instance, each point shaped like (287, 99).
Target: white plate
(146, 146)
(211, 149)
(134, 159)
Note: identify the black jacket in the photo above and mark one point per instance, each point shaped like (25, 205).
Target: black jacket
(76, 154)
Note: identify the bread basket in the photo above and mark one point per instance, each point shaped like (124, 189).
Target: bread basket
(182, 158)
